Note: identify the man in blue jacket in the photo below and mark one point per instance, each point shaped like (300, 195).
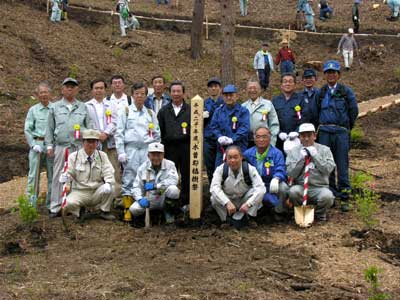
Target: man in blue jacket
(230, 123)
(337, 112)
(310, 92)
(291, 108)
(214, 101)
(270, 164)
(159, 98)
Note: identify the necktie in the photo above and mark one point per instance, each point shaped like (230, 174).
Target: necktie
(89, 159)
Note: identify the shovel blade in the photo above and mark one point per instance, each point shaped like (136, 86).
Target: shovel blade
(304, 215)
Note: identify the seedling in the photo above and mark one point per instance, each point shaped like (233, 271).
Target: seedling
(117, 53)
(27, 213)
(371, 276)
(367, 207)
(356, 134)
(360, 181)
(73, 71)
(168, 76)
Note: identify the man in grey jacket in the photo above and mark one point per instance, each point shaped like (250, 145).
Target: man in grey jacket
(262, 113)
(348, 44)
(67, 119)
(239, 194)
(320, 167)
(103, 113)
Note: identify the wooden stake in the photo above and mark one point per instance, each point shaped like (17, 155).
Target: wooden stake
(206, 27)
(196, 157)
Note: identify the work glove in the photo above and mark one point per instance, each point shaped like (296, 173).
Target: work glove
(338, 52)
(312, 150)
(144, 203)
(37, 148)
(283, 136)
(223, 140)
(304, 153)
(206, 114)
(229, 141)
(107, 188)
(274, 185)
(122, 157)
(293, 135)
(149, 186)
(63, 178)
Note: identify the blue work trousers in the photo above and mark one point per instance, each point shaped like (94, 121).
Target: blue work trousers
(287, 66)
(310, 23)
(323, 12)
(263, 77)
(165, 2)
(339, 143)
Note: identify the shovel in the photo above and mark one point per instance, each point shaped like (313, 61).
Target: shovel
(147, 216)
(304, 214)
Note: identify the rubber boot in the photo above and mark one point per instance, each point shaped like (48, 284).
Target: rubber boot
(65, 16)
(127, 202)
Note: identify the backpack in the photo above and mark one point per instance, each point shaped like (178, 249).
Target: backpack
(246, 174)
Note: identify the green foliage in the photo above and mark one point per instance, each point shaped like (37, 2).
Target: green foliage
(168, 76)
(356, 134)
(371, 276)
(27, 212)
(367, 207)
(117, 52)
(73, 71)
(360, 181)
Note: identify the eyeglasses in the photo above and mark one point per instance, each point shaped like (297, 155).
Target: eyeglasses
(262, 137)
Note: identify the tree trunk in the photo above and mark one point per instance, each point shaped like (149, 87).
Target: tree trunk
(197, 29)
(227, 42)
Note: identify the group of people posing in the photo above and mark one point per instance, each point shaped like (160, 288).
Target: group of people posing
(137, 148)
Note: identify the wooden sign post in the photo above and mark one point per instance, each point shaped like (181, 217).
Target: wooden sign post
(196, 157)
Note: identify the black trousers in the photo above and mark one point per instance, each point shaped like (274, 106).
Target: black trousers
(179, 153)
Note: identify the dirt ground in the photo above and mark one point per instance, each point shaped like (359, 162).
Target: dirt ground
(101, 260)
(274, 13)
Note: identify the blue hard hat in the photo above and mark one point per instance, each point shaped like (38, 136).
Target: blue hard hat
(332, 65)
(309, 73)
(228, 89)
(357, 1)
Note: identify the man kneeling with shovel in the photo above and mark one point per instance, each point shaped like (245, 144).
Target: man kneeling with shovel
(236, 189)
(310, 165)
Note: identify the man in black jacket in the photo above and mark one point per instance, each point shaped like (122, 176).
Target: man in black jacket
(174, 121)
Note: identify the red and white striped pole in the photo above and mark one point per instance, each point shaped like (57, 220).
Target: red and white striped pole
(64, 192)
(306, 175)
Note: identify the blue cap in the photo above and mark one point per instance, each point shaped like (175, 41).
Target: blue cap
(309, 73)
(229, 89)
(214, 80)
(332, 65)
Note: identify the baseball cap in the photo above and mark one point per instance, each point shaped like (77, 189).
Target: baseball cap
(332, 65)
(90, 134)
(351, 30)
(309, 73)
(213, 80)
(156, 147)
(229, 89)
(306, 127)
(70, 80)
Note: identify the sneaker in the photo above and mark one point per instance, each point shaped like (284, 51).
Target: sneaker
(344, 206)
(106, 215)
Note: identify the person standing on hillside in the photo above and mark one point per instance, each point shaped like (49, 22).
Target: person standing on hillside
(123, 10)
(355, 15)
(243, 7)
(347, 44)
(337, 110)
(159, 98)
(264, 65)
(174, 120)
(286, 58)
(262, 113)
(68, 117)
(118, 97)
(35, 129)
(214, 101)
(137, 127)
(309, 14)
(103, 113)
